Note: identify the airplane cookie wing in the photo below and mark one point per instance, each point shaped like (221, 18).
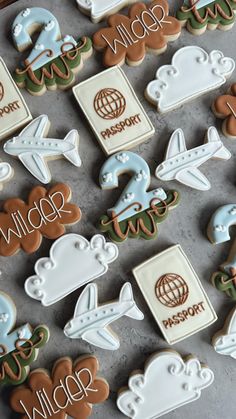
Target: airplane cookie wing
(36, 165)
(192, 177)
(37, 128)
(176, 144)
(102, 338)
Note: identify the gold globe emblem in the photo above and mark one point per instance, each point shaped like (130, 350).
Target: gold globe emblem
(1, 91)
(109, 103)
(171, 290)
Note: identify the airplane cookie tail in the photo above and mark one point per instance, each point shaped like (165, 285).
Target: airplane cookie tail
(73, 155)
(126, 295)
(212, 136)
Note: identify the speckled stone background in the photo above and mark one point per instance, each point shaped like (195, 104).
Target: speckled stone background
(185, 225)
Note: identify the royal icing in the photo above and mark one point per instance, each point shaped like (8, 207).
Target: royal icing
(221, 221)
(14, 112)
(49, 40)
(113, 110)
(10, 339)
(224, 341)
(218, 232)
(70, 391)
(224, 107)
(182, 165)
(53, 60)
(177, 83)
(167, 383)
(91, 322)
(15, 366)
(174, 294)
(137, 212)
(22, 225)
(127, 38)
(72, 263)
(6, 173)
(199, 15)
(99, 9)
(32, 148)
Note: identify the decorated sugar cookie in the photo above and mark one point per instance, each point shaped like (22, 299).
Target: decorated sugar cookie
(218, 232)
(10, 339)
(224, 107)
(224, 341)
(174, 294)
(6, 173)
(147, 28)
(23, 225)
(33, 149)
(199, 15)
(70, 390)
(72, 263)
(18, 347)
(54, 60)
(14, 113)
(137, 212)
(176, 84)
(113, 110)
(99, 9)
(91, 322)
(168, 382)
(182, 165)
(15, 366)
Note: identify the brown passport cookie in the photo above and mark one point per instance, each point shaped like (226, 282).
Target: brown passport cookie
(22, 225)
(224, 107)
(127, 38)
(70, 391)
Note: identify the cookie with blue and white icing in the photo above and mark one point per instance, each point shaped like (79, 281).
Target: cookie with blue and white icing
(53, 60)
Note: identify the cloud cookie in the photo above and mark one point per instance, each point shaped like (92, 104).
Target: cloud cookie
(72, 263)
(179, 82)
(168, 382)
(99, 9)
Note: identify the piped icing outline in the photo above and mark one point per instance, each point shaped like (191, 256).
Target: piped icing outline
(176, 84)
(73, 262)
(175, 380)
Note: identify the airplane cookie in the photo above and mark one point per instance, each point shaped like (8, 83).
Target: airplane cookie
(91, 321)
(33, 149)
(182, 165)
(224, 341)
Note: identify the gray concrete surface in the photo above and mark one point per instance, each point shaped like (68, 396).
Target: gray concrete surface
(186, 225)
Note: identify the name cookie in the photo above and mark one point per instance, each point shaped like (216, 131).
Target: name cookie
(14, 113)
(179, 83)
(218, 232)
(224, 107)
(147, 28)
(199, 15)
(34, 150)
(113, 110)
(70, 390)
(137, 212)
(224, 341)
(98, 9)
(176, 381)
(174, 294)
(53, 60)
(91, 322)
(182, 165)
(19, 347)
(23, 225)
(73, 262)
